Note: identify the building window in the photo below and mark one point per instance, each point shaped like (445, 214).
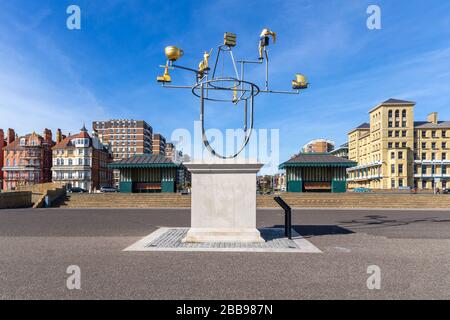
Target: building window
(390, 124)
(392, 168)
(403, 144)
(397, 124)
(424, 156)
(392, 183)
(404, 133)
(433, 156)
(433, 145)
(392, 155)
(444, 156)
(424, 134)
(70, 162)
(444, 134)
(424, 184)
(390, 114)
(444, 145)
(390, 133)
(400, 183)
(397, 144)
(400, 155)
(400, 169)
(397, 133)
(424, 145)
(433, 134)
(390, 145)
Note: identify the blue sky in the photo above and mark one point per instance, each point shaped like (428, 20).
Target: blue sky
(54, 77)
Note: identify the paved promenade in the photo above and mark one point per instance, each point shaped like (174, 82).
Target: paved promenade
(411, 248)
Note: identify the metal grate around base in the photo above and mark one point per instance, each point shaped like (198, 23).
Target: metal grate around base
(170, 239)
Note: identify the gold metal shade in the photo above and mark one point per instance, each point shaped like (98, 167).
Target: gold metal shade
(173, 53)
(300, 82)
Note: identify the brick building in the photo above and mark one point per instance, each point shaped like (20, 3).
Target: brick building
(2, 145)
(27, 160)
(319, 146)
(159, 144)
(127, 138)
(81, 160)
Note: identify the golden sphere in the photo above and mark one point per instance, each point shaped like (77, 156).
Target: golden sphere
(173, 53)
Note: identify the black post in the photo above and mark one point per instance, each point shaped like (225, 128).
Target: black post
(287, 217)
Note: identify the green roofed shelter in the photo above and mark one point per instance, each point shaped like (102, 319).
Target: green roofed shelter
(149, 173)
(316, 172)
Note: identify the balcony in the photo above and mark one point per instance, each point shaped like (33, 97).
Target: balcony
(366, 178)
(431, 176)
(365, 166)
(447, 161)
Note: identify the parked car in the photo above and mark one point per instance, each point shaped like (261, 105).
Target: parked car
(108, 189)
(77, 190)
(446, 191)
(361, 190)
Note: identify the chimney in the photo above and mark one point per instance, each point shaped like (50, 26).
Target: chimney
(48, 135)
(59, 136)
(433, 118)
(2, 139)
(11, 136)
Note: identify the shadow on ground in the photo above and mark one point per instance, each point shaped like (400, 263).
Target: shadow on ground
(308, 231)
(379, 221)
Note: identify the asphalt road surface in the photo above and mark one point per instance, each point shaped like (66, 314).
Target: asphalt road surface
(411, 248)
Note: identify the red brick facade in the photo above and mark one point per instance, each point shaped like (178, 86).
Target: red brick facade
(27, 160)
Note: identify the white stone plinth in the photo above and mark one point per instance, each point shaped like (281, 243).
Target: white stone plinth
(223, 201)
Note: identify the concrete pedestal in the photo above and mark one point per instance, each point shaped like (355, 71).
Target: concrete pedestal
(223, 207)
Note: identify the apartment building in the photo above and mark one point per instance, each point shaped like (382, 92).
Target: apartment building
(173, 154)
(27, 160)
(159, 144)
(3, 144)
(81, 160)
(318, 146)
(394, 151)
(127, 138)
(341, 151)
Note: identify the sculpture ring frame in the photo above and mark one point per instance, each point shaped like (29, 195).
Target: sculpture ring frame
(247, 131)
(254, 89)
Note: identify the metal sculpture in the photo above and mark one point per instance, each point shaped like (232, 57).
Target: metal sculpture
(210, 86)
